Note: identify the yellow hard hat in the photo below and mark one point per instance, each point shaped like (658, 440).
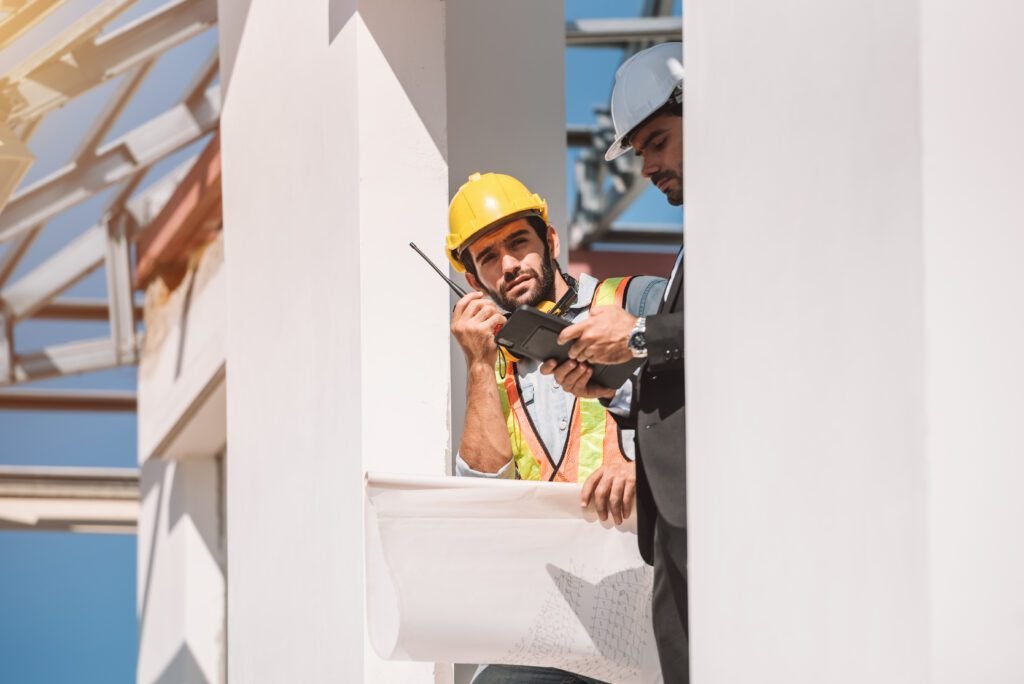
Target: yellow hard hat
(486, 201)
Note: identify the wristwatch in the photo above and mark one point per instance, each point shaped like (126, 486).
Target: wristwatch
(637, 341)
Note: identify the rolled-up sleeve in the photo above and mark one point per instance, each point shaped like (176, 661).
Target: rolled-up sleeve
(506, 472)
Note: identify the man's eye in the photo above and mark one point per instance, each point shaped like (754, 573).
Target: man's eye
(486, 258)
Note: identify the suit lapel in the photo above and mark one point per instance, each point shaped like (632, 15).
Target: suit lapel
(675, 289)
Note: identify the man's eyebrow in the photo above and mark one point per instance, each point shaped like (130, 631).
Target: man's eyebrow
(485, 251)
(490, 248)
(639, 148)
(518, 233)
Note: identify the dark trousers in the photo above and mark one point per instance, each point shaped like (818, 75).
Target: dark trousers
(671, 606)
(523, 674)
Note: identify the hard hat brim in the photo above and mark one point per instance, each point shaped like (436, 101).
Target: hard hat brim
(618, 148)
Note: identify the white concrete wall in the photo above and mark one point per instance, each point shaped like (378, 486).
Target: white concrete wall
(181, 372)
(181, 549)
(973, 97)
(805, 344)
(181, 587)
(854, 393)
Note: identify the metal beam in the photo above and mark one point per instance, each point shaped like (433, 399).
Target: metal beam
(119, 288)
(23, 16)
(114, 163)
(580, 135)
(72, 358)
(60, 47)
(6, 346)
(108, 117)
(78, 310)
(149, 204)
(104, 500)
(72, 263)
(622, 235)
(68, 400)
(620, 32)
(16, 252)
(58, 76)
(70, 483)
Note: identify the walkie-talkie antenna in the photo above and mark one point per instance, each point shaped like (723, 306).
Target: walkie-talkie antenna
(451, 283)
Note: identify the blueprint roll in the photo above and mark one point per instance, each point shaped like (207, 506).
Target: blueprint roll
(468, 570)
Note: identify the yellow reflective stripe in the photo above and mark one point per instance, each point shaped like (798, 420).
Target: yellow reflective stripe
(526, 463)
(591, 427)
(605, 293)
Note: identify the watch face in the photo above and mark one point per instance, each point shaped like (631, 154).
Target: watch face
(637, 341)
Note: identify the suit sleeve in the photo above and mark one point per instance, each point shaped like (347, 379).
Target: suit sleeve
(665, 341)
(642, 296)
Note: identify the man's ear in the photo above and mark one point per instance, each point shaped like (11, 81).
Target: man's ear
(474, 283)
(553, 243)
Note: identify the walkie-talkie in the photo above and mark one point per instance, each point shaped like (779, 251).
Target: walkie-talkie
(451, 283)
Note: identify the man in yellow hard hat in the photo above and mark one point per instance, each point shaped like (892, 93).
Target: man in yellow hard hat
(520, 423)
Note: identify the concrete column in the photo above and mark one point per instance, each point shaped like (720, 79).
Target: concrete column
(974, 235)
(181, 435)
(336, 137)
(805, 342)
(181, 588)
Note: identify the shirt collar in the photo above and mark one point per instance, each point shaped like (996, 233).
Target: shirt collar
(587, 286)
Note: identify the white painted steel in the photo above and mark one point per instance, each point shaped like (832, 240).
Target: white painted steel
(74, 261)
(71, 358)
(115, 162)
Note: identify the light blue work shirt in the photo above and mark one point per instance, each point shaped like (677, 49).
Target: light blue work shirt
(549, 406)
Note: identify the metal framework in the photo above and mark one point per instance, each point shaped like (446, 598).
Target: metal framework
(605, 190)
(72, 63)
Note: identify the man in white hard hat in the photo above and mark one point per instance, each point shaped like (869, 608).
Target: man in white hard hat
(647, 113)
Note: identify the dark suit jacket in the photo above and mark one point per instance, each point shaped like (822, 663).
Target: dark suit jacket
(660, 422)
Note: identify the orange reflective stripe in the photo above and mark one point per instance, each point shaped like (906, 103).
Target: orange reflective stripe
(529, 454)
(568, 467)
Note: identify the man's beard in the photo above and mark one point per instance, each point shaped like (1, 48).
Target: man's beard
(543, 290)
(674, 197)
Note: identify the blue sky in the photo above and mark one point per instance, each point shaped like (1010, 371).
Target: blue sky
(67, 601)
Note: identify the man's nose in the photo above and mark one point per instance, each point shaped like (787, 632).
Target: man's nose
(650, 167)
(509, 264)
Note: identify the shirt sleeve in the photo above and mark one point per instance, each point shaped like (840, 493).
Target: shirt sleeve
(621, 403)
(644, 295)
(506, 472)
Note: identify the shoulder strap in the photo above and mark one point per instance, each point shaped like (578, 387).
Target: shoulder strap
(611, 291)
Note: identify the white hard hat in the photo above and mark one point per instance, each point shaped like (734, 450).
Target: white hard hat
(643, 84)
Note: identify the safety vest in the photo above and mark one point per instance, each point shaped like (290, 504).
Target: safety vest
(593, 437)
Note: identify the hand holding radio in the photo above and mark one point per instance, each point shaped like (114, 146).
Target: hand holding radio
(473, 324)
